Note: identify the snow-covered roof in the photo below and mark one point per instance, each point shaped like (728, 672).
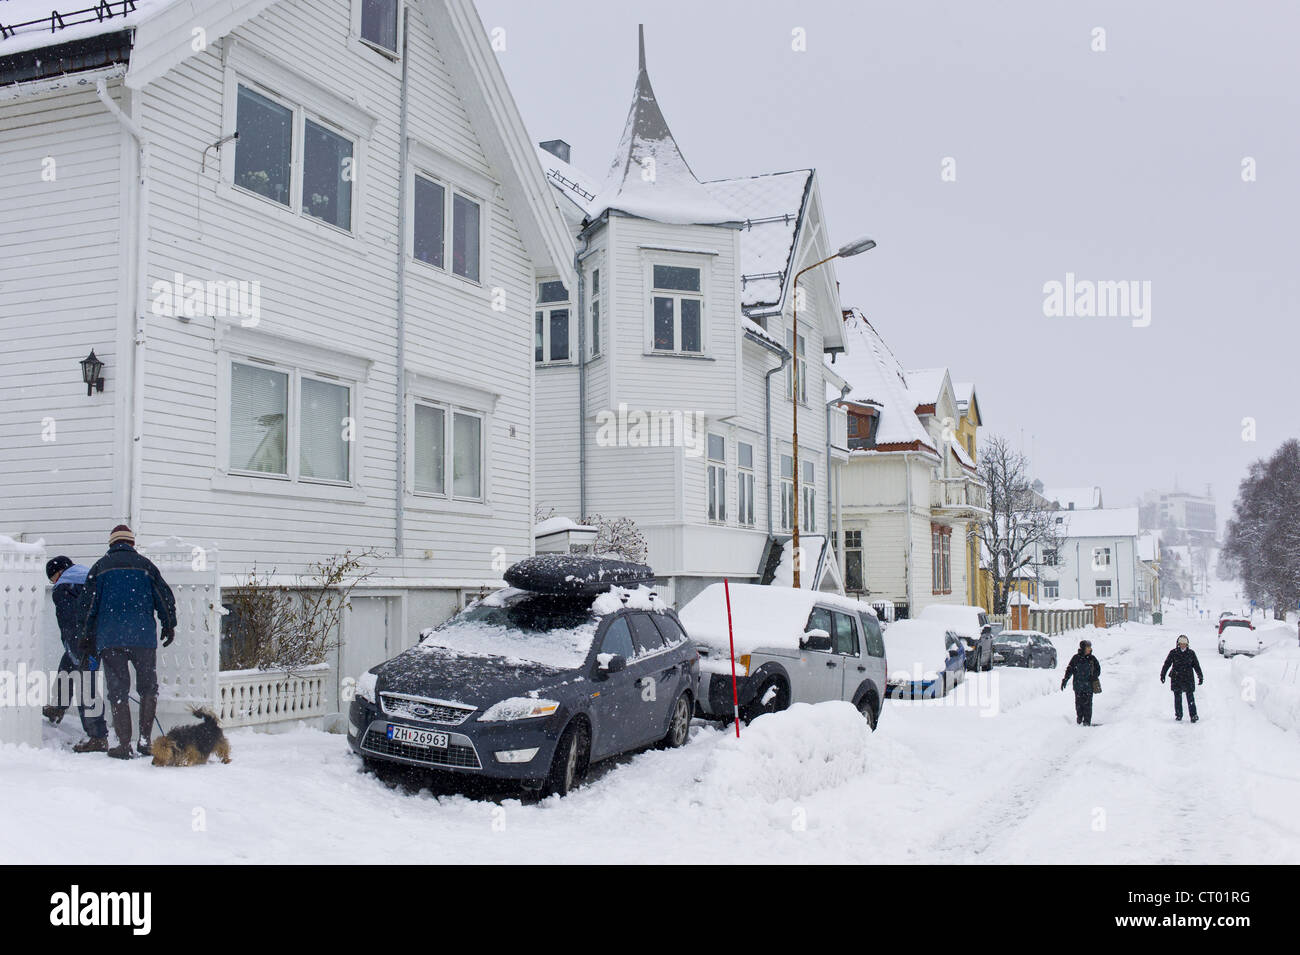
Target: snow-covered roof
(875, 374)
(926, 384)
(122, 14)
(1082, 498)
(576, 186)
(770, 207)
(1149, 546)
(1100, 522)
(554, 525)
(649, 176)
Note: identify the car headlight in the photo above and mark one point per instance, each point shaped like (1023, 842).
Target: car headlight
(366, 686)
(518, 708)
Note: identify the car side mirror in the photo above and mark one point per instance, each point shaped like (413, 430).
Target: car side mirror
(615, 664)
(816, 640)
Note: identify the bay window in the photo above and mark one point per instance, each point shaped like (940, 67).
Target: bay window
(677, 309)
(551, 324)
(745, 483)
(717, 477)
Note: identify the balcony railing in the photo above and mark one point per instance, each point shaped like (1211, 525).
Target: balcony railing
(958, 494)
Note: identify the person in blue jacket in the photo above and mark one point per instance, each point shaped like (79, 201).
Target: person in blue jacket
(126, 592)
(75, 669)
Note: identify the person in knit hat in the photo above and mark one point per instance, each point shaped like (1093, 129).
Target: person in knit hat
(126, 593)
(76, 669)
(1085, 668)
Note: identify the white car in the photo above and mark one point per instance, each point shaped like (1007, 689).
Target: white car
(1239, 637)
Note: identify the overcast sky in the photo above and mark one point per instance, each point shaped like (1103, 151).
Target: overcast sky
(1116, 165)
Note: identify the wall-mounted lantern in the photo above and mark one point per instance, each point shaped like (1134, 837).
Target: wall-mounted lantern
(90, 369)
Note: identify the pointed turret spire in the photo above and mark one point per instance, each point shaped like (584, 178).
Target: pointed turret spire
(649, 176)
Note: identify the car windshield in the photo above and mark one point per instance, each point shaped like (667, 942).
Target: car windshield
(1235, 623)
(553, 631)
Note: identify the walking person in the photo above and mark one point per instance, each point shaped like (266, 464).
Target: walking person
(76, 668)
(1086, 669)
(1180, 665)
(126, 591)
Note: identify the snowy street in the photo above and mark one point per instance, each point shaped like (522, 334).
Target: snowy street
(940, 782)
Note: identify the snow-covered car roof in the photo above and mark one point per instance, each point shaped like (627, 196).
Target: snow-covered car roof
(964, 619)
(916, 646)
(1020, 633)
(762, 616)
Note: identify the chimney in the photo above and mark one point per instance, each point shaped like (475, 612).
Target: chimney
(557, 148)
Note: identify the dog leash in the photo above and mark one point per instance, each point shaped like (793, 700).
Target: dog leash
(157, 721)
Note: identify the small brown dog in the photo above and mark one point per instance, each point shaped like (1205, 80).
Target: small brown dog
(192, 745)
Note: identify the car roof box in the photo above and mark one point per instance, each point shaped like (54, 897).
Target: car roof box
(576, 574)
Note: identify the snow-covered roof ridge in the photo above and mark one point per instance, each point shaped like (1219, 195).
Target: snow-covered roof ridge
(649, 176)
(873, 371)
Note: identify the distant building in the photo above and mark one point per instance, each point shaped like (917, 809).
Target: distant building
(1186, 517)
(1098, 559)
(1074, 498)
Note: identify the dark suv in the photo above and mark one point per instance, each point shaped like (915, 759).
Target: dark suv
(536, 684)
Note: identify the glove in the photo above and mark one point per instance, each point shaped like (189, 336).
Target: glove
(1162, 680)
(1200, 681)
(1062, 684)
(168, 635)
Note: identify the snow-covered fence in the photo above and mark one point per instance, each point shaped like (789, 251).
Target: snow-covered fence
(187, 670)
(260, 697)
(1053, 622)
(22, 605)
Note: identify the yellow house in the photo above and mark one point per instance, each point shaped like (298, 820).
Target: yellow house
(968, 424)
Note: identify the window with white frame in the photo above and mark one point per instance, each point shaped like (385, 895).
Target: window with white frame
(808, 491)
(677, 309)
(446, 224)
(551, 324)
(379, 20)
(745, 483)
(796, 372)
(717, 477)
(447, 451)
(787, 492)
(267, 164)
(1100, 558)
(290, 424)
(1102, 588)
(595, 311)
(1051, 589)
(853, 580)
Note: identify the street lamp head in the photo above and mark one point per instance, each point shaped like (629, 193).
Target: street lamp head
(862, 244)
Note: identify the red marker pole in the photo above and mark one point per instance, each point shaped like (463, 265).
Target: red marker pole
(735, 693)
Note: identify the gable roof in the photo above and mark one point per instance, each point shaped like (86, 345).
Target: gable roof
(772, 207)
(875, 375)
(1100, 522)
(649, 176)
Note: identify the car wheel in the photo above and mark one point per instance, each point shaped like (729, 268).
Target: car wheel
(776, 694)
(569, 764)
(679, 725)
(870, 711)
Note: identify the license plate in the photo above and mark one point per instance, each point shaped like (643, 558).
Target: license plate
(415, 737)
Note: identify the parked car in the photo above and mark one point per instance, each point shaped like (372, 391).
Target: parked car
(1025, 648)
(792, 646)
(929, 659)
(1238, 637)
(535, 683)
(1228, 621)
(971, 624)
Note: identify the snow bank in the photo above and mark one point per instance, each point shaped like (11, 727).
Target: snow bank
(1271, 681)
(788, 755)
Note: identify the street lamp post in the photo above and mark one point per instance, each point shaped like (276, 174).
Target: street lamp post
(844, 251)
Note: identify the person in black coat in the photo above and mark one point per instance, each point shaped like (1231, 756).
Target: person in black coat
(76, 669)
(1085, 668)
(1183, 663)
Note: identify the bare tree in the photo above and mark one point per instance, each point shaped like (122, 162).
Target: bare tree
(289, 626)
(1021, 527)
(619, 537)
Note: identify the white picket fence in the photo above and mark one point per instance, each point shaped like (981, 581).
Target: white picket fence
(1050, 622)
(22, 606)
(263, 697)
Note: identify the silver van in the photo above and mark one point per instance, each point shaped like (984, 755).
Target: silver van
(791, 646)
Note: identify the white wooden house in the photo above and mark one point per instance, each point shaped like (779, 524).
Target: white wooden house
(910, 492)
(665, 376)
(303, 236)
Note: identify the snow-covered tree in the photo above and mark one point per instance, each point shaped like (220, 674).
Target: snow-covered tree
(1263, 536)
